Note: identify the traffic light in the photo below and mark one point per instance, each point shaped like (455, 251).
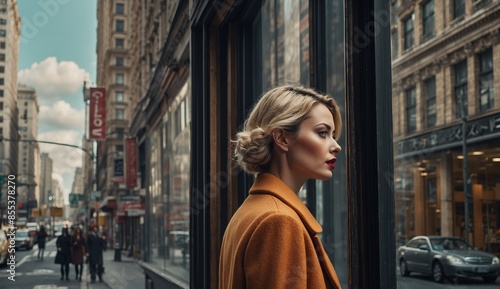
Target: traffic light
(20, 206)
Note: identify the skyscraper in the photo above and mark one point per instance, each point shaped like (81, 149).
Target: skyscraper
(10, 30)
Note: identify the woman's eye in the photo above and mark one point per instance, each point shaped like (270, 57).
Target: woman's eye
(322, 133)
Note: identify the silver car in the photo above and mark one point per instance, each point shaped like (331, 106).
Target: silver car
(24, 239)
(446, 257)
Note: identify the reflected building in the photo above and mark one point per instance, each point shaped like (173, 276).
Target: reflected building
(446, 76)
(29, 152)
(114, 27)
(10, 30)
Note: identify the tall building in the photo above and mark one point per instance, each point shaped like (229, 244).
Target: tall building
(446, 115)
(58, 196)
(114, 75)
(77, 215)
(10, 29)
(29, 151)
(46, 189)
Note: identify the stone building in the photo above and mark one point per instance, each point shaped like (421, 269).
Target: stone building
(446, 115)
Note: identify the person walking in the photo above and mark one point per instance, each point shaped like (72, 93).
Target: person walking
(63, 255)
(77, 251)
(94, 253)
(40, 239)
(272, 240)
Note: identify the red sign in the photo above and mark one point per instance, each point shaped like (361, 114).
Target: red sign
(131, 153)
(132, 206)
(97, 113)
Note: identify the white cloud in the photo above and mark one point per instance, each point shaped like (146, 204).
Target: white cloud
(65, 159)
(61, 116)
(53, 79)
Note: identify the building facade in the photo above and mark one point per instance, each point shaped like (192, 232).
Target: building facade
(118, 56)
(77, 214)
(446, 110)
(10, 29)
(29, 152)
(46, 190)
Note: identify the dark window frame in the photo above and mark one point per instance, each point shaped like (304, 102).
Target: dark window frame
(120, 61)
(120, 8)
(408, 32)
(486, 75)
(460, 89)
(411, 109)
(458, 8)
(119, 43)
(120, 25)
(430, 97)
(428, 20)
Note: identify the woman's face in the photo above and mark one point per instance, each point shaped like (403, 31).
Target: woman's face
(311, 154)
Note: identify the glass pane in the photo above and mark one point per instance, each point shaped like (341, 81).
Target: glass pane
(169, 191)
(446, 177)
(332, 194)
(281, 33)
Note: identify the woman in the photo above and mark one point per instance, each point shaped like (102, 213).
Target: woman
(40, 239)
(272, 240)
(63, 255)
(77, 252)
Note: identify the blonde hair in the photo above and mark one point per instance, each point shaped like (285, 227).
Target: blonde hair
(283, 107)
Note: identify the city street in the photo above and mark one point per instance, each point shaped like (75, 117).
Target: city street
(419, 281)
(34, 273)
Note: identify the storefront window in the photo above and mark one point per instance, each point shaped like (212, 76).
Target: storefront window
(169, 189)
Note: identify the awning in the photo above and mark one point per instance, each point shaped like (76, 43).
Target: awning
(108, 204)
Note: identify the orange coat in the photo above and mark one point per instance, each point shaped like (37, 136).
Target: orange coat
(272, 242)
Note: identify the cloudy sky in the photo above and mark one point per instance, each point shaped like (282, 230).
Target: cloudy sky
(57, 53)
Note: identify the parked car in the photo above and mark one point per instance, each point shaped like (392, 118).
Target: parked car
(24, 239)
(446, 257)
(33, 229)
(4, 246)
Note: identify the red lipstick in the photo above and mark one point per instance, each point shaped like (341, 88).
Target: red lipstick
(331, 163)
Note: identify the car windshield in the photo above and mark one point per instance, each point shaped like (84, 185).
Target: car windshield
(22, 234)
(449, 244)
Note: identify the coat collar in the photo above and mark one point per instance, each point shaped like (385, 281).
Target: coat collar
(266, 183)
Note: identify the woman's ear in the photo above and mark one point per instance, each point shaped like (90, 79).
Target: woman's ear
(280, 139)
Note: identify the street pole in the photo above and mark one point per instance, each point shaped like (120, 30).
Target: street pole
(465, 179)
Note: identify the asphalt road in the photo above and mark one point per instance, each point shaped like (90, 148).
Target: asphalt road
(419, 281)
(33, 273)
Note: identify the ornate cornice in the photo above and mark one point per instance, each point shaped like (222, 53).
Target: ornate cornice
(426, 69)
(445, 45)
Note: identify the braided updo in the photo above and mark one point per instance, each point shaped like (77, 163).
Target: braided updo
(282, 107)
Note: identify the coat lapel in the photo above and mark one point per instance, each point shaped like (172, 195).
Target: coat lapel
(266, 183)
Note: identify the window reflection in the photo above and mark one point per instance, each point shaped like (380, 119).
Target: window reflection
(443, 105)
(169, 189)
(281, 35)
(332, 195)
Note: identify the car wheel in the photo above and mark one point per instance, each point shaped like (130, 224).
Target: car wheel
(490, 279)
(437, 272)
(403, 268)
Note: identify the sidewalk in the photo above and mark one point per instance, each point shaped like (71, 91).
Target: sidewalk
(124, 274)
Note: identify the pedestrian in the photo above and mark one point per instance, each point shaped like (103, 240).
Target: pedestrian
(77, 251)
(272, 240)
(40, 239)
(63, 256)
(94, 253)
